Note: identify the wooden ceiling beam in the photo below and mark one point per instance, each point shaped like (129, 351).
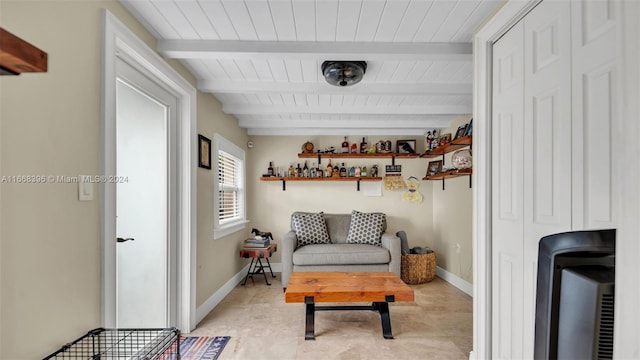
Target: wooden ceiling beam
(363, 88)
(340, 109)
(271, 50)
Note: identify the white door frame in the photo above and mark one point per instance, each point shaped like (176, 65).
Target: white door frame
(628, 246)
(117, 41)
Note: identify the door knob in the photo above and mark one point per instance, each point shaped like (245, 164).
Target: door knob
(124, 239)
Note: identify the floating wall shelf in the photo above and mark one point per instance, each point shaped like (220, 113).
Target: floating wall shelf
(293, 178)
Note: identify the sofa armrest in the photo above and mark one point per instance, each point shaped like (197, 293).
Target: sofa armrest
(289, 242)
(392, 243)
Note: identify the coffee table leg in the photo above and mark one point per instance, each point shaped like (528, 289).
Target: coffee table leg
(383, 309)
(310, 318)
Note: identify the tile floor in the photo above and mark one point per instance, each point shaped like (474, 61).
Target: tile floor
(438, 325)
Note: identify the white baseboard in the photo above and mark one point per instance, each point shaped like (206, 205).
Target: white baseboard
(216, 297)
(472, 355)
(455, 280)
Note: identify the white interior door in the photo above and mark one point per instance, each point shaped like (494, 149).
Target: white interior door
(532, 165)
(145, 221)
(547, 143)
(507, 189)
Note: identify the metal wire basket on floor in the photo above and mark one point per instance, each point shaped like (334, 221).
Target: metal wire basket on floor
(142, 344)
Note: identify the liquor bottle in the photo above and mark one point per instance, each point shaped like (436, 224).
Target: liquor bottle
(345, 146)
(358, 172)
(329, 171)
(320, 172)
(364, 171)
(354, 148)
(363, 146)
(343, 171)
(298, 171)
(313, 171)
(292, 171)
(352, 171)
(336, 171)
(270, 169)
(305, 170)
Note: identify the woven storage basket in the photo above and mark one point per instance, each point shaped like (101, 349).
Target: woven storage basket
(418, 268)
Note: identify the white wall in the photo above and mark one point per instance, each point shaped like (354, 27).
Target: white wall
(452, 218)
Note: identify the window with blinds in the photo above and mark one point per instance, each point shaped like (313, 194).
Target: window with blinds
(229, 187)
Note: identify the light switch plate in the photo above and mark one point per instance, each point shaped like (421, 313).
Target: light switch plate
(85, 188)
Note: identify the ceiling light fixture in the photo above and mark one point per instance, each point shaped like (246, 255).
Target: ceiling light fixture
(343, 73)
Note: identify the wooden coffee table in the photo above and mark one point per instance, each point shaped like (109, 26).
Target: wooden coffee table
(379, 288)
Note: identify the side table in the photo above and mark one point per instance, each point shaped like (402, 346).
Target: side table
(256, 267)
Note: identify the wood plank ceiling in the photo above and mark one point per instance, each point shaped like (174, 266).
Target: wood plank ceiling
(261, 59)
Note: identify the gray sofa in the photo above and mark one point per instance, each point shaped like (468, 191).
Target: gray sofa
(339, 255)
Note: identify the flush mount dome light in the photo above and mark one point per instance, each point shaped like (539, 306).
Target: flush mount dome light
(343, 73)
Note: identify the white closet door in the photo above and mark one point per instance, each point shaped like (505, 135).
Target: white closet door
(507, 188)
(547, 143)
(594, 83)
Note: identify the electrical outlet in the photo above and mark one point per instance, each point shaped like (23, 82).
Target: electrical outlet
(458, 248)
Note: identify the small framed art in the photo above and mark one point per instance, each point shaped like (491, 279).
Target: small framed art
(434, 167)
(204, 152)
(406, 146)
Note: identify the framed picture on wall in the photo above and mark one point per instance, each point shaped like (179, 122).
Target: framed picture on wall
(435, 167)
(204, 152)
(462, 129)
(445, 139)
(406, 146)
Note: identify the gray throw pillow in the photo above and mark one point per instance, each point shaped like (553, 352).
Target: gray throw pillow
(310, 228)
(366, 228)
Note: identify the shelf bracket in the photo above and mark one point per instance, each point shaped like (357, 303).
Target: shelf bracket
(284, 185)
(358, 186)
(442, 184)
(393, 160)
(319, 158)
(470, 181)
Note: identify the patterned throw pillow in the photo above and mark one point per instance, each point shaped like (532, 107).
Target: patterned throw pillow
(310, 228)
(366, 228)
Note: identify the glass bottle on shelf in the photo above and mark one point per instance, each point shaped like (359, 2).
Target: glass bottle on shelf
(329, 171)
(270, 169)
(352, 171)
(364, 171)
(292, 171)
(343, 171)
(298, 171)
(320, 172)
(313, 171)
(363, 146)
(357, 172)
(345, 146)
(354, 148)
(305, 170)
(336, 170)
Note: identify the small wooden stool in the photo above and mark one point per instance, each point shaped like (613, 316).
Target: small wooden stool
(256, 266)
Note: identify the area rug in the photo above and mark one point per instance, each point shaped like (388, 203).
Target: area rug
(202, 348)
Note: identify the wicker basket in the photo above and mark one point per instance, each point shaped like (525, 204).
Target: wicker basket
(418, 268)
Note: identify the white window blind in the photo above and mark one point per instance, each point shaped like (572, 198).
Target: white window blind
(229, 186)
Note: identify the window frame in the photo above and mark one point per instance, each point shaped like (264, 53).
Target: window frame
(228, 227)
